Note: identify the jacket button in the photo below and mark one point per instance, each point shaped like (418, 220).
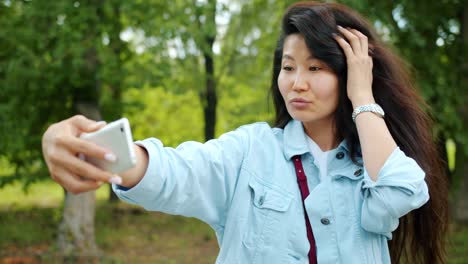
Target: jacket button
(325, 221)
(261, 200)
(358, 172)
(339, 155)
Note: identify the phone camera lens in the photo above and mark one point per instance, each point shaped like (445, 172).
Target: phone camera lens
(121, 129)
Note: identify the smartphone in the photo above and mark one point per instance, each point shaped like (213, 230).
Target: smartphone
(116, 137)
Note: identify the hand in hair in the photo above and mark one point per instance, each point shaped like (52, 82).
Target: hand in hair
(375, 138)
(356, 49)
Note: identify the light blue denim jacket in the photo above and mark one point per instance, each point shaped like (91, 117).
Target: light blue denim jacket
(244, 186)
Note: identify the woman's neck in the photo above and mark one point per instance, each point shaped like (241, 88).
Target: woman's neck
(323, 134)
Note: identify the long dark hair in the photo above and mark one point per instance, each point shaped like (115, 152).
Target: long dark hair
(420, 237)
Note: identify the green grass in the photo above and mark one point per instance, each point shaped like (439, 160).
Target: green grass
(124, 233)
(43, 194)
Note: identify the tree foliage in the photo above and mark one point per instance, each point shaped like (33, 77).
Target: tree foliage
(162, 63)
(51, 56)
(154, 49)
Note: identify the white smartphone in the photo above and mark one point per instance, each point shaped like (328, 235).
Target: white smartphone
(116, 137)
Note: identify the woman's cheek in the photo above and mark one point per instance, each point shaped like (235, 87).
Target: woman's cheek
(282, 84)
(326, 87)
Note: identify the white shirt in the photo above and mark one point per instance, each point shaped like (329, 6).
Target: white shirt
(320, 157)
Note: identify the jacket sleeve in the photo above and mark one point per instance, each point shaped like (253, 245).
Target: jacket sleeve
(399, 189)
(194, 179)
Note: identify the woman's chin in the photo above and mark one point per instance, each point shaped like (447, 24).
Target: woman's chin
(311, 118)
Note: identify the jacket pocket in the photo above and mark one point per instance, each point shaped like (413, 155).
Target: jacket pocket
(267, 212)
(267, 197)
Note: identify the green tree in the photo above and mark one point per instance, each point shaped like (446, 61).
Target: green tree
(187, 37)
(59, 58)
(51, 68)
(461, 172)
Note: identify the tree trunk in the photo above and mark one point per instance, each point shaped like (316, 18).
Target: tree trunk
(210, 101)
(76, 231)
(117, 47)
(209, 108)
(461, 202)
(76, 238)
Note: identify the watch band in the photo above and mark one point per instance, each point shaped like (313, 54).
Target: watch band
(374, 108)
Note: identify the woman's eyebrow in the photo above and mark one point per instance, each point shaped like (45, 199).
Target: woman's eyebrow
(288, 57)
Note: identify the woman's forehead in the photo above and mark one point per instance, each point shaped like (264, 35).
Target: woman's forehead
(295, 47)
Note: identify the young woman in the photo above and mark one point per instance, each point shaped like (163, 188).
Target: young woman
(348, 173)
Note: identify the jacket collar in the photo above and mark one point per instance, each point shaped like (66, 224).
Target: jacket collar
(295, 140)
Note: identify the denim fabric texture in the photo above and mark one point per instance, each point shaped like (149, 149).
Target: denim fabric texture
(244, 186)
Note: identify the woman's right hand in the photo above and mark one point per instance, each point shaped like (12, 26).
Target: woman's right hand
(62, 148)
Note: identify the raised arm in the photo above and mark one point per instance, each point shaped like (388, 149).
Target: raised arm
(393, 183)
(376, 141)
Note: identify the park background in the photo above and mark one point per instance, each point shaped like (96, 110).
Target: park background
(179, 70)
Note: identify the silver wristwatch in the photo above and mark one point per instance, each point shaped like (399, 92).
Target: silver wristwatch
(374, 108)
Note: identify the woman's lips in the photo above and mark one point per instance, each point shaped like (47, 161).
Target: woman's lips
(299, 103)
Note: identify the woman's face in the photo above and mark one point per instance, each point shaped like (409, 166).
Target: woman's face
(308, 86)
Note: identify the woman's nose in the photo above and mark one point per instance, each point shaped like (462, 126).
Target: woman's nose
(300, 83)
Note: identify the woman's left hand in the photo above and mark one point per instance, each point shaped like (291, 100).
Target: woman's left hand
(356, 49)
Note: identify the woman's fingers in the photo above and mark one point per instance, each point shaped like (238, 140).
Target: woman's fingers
(77, 166)
(63, 152)
(352, 39)
(86, 148)
(355, 46)
(363, 40)
(67, 132)
(345, 46)
(74, 183)
(358, 41)
(83, 124)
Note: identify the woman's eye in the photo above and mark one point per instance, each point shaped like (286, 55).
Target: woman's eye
(314, 68)
(287, 68)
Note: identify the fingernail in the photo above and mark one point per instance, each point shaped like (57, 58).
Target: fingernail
(110, 157)
(340, 27)
(98, 124)
(81, 156)
(115, 180)
(334, 35)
